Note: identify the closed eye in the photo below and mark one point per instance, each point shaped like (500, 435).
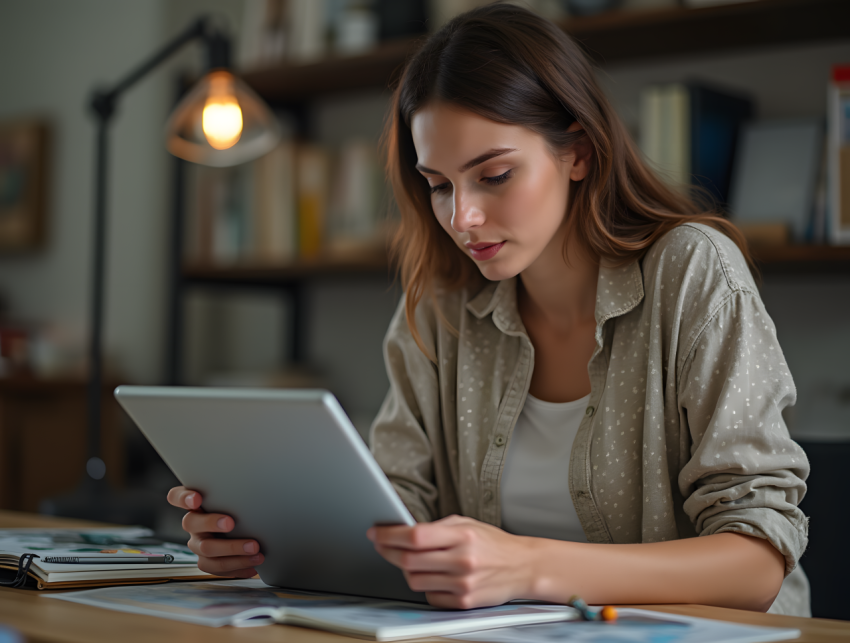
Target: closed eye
(489, 180)
(497, 180)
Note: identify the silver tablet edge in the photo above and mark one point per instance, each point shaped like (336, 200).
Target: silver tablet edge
(320, 395)
(350, 432)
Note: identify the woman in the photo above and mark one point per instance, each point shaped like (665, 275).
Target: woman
(586, 390)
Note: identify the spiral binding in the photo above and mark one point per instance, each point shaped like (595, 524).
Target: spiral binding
(23, 569)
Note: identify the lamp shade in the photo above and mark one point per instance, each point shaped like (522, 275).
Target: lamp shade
(221, 122)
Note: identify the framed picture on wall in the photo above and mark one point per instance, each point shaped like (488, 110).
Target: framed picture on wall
(23, 165)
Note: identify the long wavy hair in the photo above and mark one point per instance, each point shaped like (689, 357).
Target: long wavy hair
(511, 66)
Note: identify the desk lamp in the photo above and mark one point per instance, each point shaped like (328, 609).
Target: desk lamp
(220, 122)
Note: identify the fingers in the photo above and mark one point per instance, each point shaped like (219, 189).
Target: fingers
(184, 498)
(219, 556)
(423, 536)
(439, 560)
(443, 583)
(230, 565)
(196, 522)
(219, 547)
(447, 600)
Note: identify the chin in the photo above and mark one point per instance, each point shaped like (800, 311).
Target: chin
(497, 271)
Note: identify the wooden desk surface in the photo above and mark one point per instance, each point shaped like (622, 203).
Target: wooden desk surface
(48, 621)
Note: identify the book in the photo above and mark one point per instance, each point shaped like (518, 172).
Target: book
(355, 196)
(312, 179)
(838, 155)
(275, 225)
(265, 33)
(105, 543)
(775, 173)
(307, 29)
(251, 602)
(689, 131)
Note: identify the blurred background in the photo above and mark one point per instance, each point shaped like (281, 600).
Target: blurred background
(282, 277)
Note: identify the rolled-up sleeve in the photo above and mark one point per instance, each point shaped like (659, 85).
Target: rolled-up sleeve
(398, 437)
(745, 473)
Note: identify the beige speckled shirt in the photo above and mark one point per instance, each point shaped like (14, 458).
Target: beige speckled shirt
(683, 435)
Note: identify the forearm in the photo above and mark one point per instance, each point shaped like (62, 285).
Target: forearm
(727, 570)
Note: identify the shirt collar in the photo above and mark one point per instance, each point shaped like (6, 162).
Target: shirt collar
(618, 290)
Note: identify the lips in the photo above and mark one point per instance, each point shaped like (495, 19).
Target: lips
(484, 251)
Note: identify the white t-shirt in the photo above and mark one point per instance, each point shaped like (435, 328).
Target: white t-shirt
(535, 489)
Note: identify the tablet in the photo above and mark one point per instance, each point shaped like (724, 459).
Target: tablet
(291, 469)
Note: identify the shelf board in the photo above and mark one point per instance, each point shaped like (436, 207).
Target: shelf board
(802, 259)
(791, 260)
(621, 36)
(292, 83)
(615, 36)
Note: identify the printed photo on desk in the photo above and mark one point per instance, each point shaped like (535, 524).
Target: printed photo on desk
(246, 603)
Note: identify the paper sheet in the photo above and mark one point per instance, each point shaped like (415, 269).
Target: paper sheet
(635, 626)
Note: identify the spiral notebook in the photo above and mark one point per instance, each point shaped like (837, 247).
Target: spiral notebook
(23, 553)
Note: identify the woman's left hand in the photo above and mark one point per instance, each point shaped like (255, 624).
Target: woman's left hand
(459, 562)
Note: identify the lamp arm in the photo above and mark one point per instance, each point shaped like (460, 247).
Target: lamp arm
(103, 101)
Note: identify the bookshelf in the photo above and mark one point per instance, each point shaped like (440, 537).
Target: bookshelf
(616, 36)
(790, 259)
(613, 37)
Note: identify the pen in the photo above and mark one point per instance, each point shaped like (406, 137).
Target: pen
(109, 560)
(607, 613)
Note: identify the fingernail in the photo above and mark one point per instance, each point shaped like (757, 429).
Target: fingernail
(222, 523)
(257, 559)
(250, 548)
(190, 501)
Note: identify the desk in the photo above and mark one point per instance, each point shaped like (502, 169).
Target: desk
(46, 621)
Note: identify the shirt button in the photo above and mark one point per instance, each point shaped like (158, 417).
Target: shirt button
(488, 495)
(589, 411)
(500, 440)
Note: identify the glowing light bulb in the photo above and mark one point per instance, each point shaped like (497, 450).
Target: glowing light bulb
(222, 116)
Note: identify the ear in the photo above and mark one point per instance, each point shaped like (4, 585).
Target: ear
(582, 154)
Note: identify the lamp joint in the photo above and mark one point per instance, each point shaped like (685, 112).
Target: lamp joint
(103, 104)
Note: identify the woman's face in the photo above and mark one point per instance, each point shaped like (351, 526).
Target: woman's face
(497, 190)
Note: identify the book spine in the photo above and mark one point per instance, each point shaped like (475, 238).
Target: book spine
(312, 181)
(666, 133)
(838, 176)
(307, 30)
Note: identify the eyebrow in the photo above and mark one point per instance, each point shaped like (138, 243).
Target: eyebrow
(478, 160)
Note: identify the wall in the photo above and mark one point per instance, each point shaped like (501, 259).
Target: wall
(54, 54)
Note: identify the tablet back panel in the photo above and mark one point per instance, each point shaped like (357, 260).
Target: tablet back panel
(292, 471)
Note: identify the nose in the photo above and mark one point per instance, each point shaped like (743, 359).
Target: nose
(466, 212)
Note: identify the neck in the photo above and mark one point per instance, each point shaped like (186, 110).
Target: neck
(559, 294)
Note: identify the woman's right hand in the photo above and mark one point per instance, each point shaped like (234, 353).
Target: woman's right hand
(219, 556)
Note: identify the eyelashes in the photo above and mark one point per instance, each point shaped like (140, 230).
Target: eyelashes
(489, 180)
(498, 180)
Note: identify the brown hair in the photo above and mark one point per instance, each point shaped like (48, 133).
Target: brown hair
(511, 66)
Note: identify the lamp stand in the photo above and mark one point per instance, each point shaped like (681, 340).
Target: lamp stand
(93, 499)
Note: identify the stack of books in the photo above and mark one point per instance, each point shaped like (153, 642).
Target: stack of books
(67, 559)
